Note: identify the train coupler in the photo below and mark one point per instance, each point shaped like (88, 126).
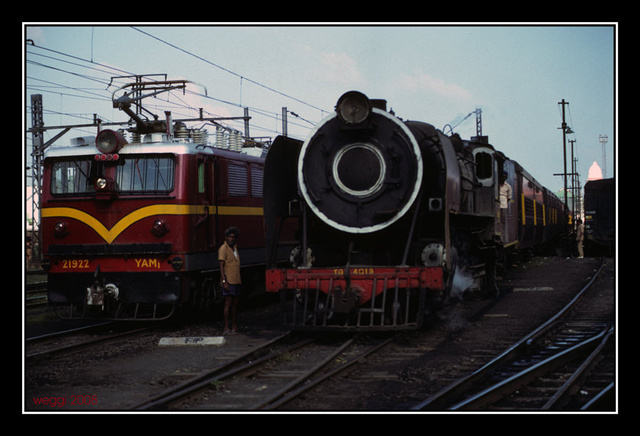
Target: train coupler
(345, 301)
(99, 291)
(97, 294)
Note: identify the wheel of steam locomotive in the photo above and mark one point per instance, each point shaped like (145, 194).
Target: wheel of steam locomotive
(360, 170)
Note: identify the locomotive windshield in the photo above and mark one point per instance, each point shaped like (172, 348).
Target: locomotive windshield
(133, 175)
(75, 176)
(145, 174)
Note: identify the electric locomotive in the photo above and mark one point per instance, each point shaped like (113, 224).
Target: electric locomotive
(130, 230)
(389, 218)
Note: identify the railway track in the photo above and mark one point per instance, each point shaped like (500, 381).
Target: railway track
(36, 294)
(566, 362)
(267, 370)
(270, 377)
(547, 382)
(75, 340)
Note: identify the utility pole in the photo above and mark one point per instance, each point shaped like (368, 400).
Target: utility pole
(478, 122)
(576, 192)
(573, 180)
(603, 140)
(37, 135)
(284, 122)
(564, 150)
(246, 122)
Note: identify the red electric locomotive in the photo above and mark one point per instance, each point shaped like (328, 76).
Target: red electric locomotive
(131, 230)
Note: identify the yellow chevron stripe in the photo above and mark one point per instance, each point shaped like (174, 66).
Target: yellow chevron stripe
(109, 235)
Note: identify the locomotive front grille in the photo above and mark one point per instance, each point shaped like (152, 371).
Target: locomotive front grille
(379, 301)
(394, 308)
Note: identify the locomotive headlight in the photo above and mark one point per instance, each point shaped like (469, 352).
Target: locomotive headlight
(110, 141)
(353, 107)
(60, 229)
(159, 227)
(101, 183)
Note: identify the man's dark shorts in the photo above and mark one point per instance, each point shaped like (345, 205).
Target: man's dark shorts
(233, 291)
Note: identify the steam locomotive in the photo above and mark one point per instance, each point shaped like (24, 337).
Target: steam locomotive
(386, 218)
(130, 230)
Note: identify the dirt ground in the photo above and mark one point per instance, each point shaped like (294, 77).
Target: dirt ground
(120, 376)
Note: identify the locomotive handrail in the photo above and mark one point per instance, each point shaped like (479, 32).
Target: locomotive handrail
(204, 218)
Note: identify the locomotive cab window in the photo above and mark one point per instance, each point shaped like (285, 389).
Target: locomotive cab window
(133, 175)
(484, 166)
(145, 174)
(75, 176)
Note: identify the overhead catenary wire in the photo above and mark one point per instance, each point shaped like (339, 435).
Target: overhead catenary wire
(240, 76)
(100, 68)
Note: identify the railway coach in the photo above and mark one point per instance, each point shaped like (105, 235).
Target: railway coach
(600, 216)
(535, 217)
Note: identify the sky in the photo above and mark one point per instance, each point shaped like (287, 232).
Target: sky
(516, 74)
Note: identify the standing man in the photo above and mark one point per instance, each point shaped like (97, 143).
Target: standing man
(505, 198)
(230, 275)
(580, 238)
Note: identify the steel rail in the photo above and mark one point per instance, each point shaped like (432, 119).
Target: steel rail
(564, 391)
(88, 343)
(219, 373)
(507, 386)
(440, 399)
(287, 395)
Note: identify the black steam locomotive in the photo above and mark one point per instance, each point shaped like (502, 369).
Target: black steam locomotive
(386, 218)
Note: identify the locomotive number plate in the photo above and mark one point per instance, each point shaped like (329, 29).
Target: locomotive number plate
(75, 264)
(354, 271)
